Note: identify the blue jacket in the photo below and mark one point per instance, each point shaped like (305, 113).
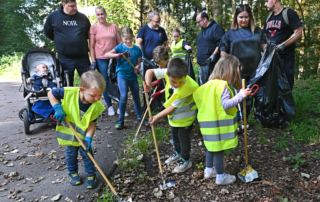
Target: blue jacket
(207, 41)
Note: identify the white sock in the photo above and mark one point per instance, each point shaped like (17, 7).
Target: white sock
(209, 169)
(220, 176)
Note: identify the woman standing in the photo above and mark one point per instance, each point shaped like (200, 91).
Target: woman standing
(104, 37)
(245, 41)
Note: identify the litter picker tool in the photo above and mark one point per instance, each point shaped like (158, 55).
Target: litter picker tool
(291, 37)
(92, 159)
(248, 174)
(144, 116)
(241, 118)
(164, 186)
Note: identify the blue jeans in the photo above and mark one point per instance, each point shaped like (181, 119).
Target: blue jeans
(103, 69)
(134, 88)
(72, 161)
(217, 158)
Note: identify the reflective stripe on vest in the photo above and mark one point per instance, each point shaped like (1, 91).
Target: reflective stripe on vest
(216, 138)
(180, 56)
(179, 51)
(183, 109)
(183, 115)
(65, 136)
(219, 123)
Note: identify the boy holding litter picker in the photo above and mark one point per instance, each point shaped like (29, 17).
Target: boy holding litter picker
(82, 107)
(180, 108)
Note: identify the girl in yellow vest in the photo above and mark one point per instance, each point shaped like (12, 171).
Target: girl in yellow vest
(180, 108)
(217, 115)
(178, 46)
(82, 107)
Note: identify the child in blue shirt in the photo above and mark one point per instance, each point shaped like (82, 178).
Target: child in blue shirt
(127, 76)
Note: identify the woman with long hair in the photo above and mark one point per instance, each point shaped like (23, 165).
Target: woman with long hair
(244, 40)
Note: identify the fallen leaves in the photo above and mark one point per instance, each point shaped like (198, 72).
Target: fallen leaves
(269, 183)
(56, 197)
(39, 179)
(275, 191)
(58, 180)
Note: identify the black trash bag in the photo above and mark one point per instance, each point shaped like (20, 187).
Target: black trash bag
(190, 67)
(274, 104)
(113, 88)
(156, 104)
(206, 69)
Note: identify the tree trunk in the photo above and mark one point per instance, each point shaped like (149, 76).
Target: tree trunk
(217, 10)
(234, 7)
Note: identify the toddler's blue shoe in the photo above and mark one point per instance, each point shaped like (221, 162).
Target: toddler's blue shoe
(74, 178)
(119, 125)
(171, 141)
(145, 121)
(91, 181)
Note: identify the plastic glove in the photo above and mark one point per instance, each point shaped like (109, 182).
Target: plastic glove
(156, 83)
(127, 54)
(281, 49)
(87, 143)
(213, 58)
(190, 50)
(137, 70)
(156, 95)
(93, 66)
(59, 114)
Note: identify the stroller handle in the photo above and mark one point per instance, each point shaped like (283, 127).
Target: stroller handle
(25, 84)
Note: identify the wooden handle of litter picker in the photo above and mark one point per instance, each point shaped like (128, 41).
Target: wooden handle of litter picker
(131, 64)
(245, 121)
(153, 132)
(91, 157)
(291, 37)
(145, 114)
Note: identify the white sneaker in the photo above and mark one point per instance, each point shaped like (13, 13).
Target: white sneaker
(227, 179)
(125, 113)
(210, 174)
(111, 111)
(182, 166)
(173, 158)
(242, 126)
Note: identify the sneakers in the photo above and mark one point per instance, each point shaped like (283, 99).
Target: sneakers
(119, 125)
(210, 174)
(125, 113)
(111, 111)
(74, 178)
(173, 158)
(182, 166)
(226, 179)
(91, 181)
(145, 121)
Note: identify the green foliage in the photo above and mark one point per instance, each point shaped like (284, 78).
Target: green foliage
(282, 142)
(162, 134)
(10, 66)
(281, 198)
(200, 165)
(106, 196)
(262, 139)
(316, 154)
(142, 178)
(296, 160)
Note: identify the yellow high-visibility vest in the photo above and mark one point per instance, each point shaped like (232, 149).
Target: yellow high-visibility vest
(177, 49)
(70, 104)
(184, 116)
(218, 127)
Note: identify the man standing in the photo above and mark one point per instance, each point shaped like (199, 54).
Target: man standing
(279, 26)
(208, 41)
(69, 30)
(152, 35)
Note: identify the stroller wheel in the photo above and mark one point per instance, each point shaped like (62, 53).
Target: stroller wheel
(21, 113)
(26, 122)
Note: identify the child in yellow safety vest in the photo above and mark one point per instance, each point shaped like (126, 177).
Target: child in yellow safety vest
(178, 46)
(217, 115)
(81, 107)
(180, 108)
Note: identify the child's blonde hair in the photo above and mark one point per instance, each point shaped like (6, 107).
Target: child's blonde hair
(93, 79)
(160, 54)
(126, 31)
(228, 69)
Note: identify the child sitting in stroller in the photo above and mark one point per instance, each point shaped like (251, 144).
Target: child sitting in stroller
(42, 78)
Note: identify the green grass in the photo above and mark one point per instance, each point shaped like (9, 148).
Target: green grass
(282, 142)
(316, 154)
(106, 196)
(10, 66)
(262, 139)
(296, 160)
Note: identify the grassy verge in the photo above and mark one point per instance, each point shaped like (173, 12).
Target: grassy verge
(10, 66)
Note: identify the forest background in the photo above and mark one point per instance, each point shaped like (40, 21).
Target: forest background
(22, 24)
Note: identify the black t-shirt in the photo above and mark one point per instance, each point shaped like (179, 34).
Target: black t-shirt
(278, 31)
(246, 46)
(58, 93)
